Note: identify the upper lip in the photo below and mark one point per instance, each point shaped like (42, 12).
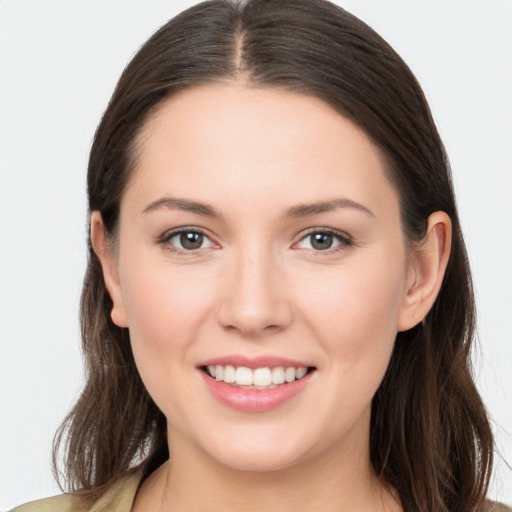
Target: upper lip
(263, 361)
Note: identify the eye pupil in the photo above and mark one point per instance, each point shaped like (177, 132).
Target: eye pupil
(191, 240)
(321, 241)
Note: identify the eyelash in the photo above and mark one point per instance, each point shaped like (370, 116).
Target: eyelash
(345, 241)
(167, 236)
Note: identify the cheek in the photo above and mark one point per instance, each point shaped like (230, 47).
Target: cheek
(165, 310)
(354, 312)
(354, 319)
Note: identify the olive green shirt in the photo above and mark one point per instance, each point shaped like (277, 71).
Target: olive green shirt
(119, 498)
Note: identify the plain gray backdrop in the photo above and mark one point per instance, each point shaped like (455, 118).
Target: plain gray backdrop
(59, 62)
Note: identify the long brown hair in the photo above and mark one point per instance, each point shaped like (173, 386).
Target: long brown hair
(430, 436)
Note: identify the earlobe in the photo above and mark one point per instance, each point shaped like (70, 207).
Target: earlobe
(107, 258)
(428, 262)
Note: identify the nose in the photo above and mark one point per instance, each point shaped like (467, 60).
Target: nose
(254, 302)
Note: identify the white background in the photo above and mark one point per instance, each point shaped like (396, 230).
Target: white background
(59, 61)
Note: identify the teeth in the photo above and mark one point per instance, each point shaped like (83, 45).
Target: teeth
(262, 377)
(259, 378)
(300, 373)
(229, 374)
(278, 375)
(289, 374)
(243, 376)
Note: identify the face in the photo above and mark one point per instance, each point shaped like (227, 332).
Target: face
(260, 239)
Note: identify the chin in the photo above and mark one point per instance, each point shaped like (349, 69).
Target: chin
(257, 460)
(261, 451)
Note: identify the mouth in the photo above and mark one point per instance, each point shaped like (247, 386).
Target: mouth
(263, 378)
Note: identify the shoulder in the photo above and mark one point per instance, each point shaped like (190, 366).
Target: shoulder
(119, 498)
(62, 503)
(493, 506)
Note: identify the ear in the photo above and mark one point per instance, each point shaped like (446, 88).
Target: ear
(427, 265)
(106, 254)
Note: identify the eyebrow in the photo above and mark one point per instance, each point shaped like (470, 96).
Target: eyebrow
(172, 203)
(306, 210)
(298, 211)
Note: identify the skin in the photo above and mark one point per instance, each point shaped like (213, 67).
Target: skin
(257, 286)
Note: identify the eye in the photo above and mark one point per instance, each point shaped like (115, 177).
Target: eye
(325, 240)
(186, 240)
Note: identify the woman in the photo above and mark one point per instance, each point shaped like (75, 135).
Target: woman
(278, 292)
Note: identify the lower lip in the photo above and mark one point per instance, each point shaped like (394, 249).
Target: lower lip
(254, 400)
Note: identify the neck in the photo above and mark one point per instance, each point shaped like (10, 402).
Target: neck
(339, 480)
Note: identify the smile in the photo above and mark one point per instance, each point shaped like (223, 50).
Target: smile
(256, 378)
(256, 385)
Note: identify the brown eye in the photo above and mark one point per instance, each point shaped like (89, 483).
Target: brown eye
(327, 241)
(191, 240)
(182, 241)
(321, 241)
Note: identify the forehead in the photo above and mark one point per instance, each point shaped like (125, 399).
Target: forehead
(220, 141)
